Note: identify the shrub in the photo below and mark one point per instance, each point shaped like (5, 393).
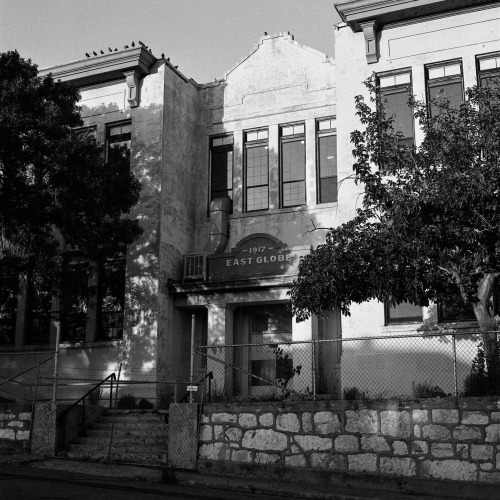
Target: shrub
(352, 393)
(126, 402)
(425, 389)
(479, 382)
(145, 404)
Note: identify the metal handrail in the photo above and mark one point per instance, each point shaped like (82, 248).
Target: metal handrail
(25, 371)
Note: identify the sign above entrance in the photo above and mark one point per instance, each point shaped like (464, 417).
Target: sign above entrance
(259, 254)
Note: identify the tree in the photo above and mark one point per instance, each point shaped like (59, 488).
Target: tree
(430, 218)
(56, 190)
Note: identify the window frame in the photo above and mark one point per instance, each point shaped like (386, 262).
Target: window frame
(388, 321)
(220, 149)
(250, 145)
(287, 139)
(432, 83)
(330, 132)
(127, 136)
(485, 75)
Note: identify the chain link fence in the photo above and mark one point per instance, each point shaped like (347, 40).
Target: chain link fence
(398, 366)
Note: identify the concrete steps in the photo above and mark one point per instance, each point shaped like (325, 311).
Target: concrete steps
(139, 436)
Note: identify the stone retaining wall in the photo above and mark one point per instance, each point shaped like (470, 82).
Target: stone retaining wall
(455, 439)
(15, 421)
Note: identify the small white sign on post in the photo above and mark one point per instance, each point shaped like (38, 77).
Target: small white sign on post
(192, 388)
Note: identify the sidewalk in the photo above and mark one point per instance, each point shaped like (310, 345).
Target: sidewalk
(155, 478)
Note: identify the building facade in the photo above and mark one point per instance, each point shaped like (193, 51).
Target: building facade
(239, 176)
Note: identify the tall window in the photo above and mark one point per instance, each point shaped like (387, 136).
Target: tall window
(118, 141)
(111, 298)
(293, 165)
(221, 167)
(445, 78)
(327, 161)
(75, 297)
(395, 90)
(402, 313)
(9, 289)
(488, 67)
(257, 170)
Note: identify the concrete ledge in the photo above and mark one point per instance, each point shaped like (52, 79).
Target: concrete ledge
(408, 486)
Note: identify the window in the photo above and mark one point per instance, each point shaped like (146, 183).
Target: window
(9, 289)
(257, 170)
(293, 165)
(118, 141)
(111, 298)
(452, 308)
(221, 167)
(327, 161)
(74, 305)
(394, 91)
(488, 67)
(38, 310)
(446, 78)
(402, 313)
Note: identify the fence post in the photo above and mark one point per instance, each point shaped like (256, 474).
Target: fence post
(454, 363)
(56, 362)
(114, 411)
(313, 353)
(33, 406)
(191, 372)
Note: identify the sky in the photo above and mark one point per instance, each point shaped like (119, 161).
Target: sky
(205, 38)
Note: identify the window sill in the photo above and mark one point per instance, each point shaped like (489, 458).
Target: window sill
(36, 348)
(420, 327)
(279, 211)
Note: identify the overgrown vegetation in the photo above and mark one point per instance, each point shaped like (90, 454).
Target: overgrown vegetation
(426, 389)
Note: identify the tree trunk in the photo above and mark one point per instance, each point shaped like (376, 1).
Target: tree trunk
(488, 325)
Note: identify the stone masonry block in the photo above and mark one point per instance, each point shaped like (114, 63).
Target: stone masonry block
(481, 452)
(233, 434)
(400, 448)
(266, 419)
(15, 423)
(441, 450)
(489, 477)
(464, 432)
(265, 439)
(495, 416)
(363, 462)
(22, 435)
(463, 450)
(398, 466)
(346, 444)
(493, 433)
(474, 418)
(498, 460)
(374, 443)
(288, 422)
(420, 416)
(218, 432)
(456, 470)
(295, 461)
(417, 431)
(326, 422)
(241, 456)
(206, 433)
(328, 461)
(7, 434)
(267, 458)
(308, 443)
(445, 416)
(25, 416)
(215, 451)
(419, 447)
(363, 421)
(307, 422)
(486, 466)
(204, 419)
(436, 432)
(220, 418)
(247, 420)
(395, 423)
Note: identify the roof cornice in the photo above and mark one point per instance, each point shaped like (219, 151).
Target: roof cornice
(103, 68)
(354, 12)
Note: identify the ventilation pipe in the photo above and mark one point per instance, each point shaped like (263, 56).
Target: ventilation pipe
(219, 225)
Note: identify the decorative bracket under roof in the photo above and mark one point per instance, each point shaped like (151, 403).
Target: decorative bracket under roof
(132, 78)
(371, 43)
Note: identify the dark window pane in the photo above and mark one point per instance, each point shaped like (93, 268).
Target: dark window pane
(9, 289)
(257, 178)
(452, 90)
(293, 171)
(222, 173)
(38, 308)
(294, 193)
(112, 299)
(327, 146)
(75, 300)
(258, 198)
(452, 308)
(395, 102)
(404, 312)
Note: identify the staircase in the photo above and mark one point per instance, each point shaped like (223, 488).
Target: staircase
(139, 436)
